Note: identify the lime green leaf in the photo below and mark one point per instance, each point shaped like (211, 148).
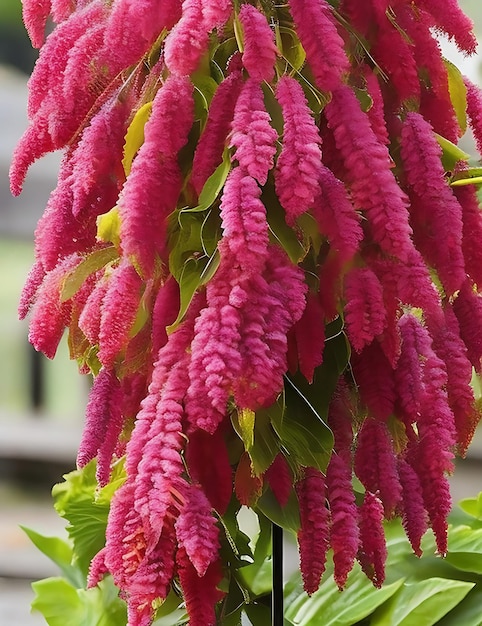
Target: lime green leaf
(331, 608)
(467, 611)
(92, 263)
(451, 154)
(56, 599)
(212, 187)
(169, 613)
(465, 549)
(258, 576)
(58, 551)
(194, 274)
(461, 182)
(290, 47)
(288, 517)
(266, 443)
(108, 226)
(458, 93)
(243, 424)
(206, 85)
(135, 136)
(422, 603)
(472, 506)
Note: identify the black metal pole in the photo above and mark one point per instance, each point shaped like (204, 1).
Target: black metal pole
(277, 612)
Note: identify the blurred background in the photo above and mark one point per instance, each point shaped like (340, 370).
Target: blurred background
(42, 402)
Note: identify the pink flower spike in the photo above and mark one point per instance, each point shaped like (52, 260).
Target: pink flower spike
(196, 530)
(216, 13)
(119, 308)
(313, 536)
(252, 134)
(468, 310)
(259, 55)
(449, 18)
(310, 337)
(372, 553)
(35, 14)
(62, 9)
(298, 166)
(471, 231)
(414, 516)
(316, 28)
(365, 314)
(278, 475)
(474, 111)
(344, 533)
(209, 151)
(188, 40)
(375, 379)
(29, 291)
(50, 315)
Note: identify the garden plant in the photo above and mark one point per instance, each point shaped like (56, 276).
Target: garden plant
(266, 247)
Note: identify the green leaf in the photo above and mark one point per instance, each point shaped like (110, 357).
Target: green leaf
(266, 443)
(194, 274)
(280, 232)
(461, 182)
(108, 226)
(258, 576)
(169, 613)
(243, 424)
(451, 154)
(135, 136)
(465, 549)
(458, 93)
(422, 603)
(466, 612)
(290, 47)
(302, 430)
(92, 263)
(331, 608)
(288, 517)
(213, 186)
(258, 614)
(58, 551)
(472, 506)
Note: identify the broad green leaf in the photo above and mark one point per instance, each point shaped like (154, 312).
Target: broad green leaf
(170, 613)
(472, 506)
(290, 47)
(302, 430)
(458, 93)
(206, 85)
(243, 424)
(213, 186)
(258, 614)
(288, 517)
(266, 443)
(331, 608)
(465, 549)
(58, 551)
(451, 154)
(92, 263)
(258, 576)
(421, 603)
(194, 274)
(108, 226)
(466, 612)
(135, 136)
(280, 232)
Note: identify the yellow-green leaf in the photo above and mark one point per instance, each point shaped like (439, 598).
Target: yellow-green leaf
(451, 154)
(135, 136)
(108, 226)
(458, 93)
(243, 422)
(93, 262)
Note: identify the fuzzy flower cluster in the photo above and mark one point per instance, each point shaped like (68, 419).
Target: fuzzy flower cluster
(222, 228)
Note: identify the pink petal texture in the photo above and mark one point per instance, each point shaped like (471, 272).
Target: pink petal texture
(188, 40)
(89, 320)
(375, 380)
(209, 151)
(376, 113)
(313, 536)
(316, 28)
(474, 111)
(196, 530)
(468, 310)
(62, 9)
(471, 231)
(252, 135)
(119, 308)
(340, 420)
(372, 553)
(310, 337)
(365, 314)
(450, 19)
(35, 14)
(154, 183)
(376, 465)
(299, 164)
(259, 54)
(279, 478)
(434, 208)
(30, 289)
(414, 516)
(344, 533)
(379, 197)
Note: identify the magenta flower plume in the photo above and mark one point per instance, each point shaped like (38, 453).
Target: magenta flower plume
(309, 333)
(216, 13)
(90, 316)
(200, 593)
(244, 223)
(324, 47)
(49, 314)
(344, 533)
(468, 310)
(61, 9)
(450, 19)
(340, 420)
(434, 208)
(298, 166)
(374, 377)
(196, 530)
(208, 462)
(209, 151)
(154, 183)
(474, 111)
(379, 197)
(119, 308)
(188, 40)
(29, 291)
(252, 135)
(414, 516)
(164, 313)
(313, 536)
(376, 464)
(103, 424)
(372, 553)
(376, 112)
(471, 231)
(35, 14)
(259, 54)
(279, 478)
(336, 216)
(365, 315)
